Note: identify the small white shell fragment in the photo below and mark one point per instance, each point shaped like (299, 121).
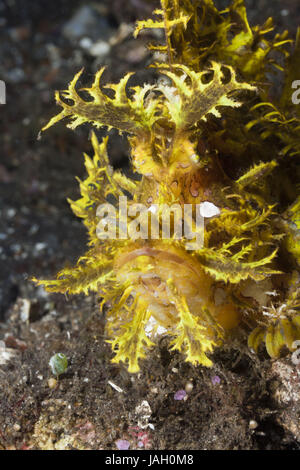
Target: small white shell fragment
(143, 413)
(151, 325)
(85, 43)
(208, 209)
(115, 387)
(99, 49)
(40, 246)
(161, 330)
(253, 424)
(24, 310)
(189, 387)
(6, 354)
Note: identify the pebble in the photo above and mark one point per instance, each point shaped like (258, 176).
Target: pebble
(86, 22)
(15, 75)
(100, 49)
(86, 43)
(189, 387)
(24, 310)
(11, 213)
(253, 424)
(40, 246)
(284, 12)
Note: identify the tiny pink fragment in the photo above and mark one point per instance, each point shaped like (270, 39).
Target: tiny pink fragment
(122, 444)
(216, 380)
(180, 395)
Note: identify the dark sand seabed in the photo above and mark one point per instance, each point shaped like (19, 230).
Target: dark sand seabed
(243, 402)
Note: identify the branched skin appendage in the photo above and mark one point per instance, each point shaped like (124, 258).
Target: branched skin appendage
(206, 134)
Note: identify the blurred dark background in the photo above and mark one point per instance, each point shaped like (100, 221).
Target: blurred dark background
(42, 45)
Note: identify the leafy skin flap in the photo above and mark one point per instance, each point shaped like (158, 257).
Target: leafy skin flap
(194, 101)
(192, 338)
(165, 23)
(85, 277)
(101, 181)
(130, 344)
(255, 173)
(120, 112)
(231, 269)
(187, 104)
